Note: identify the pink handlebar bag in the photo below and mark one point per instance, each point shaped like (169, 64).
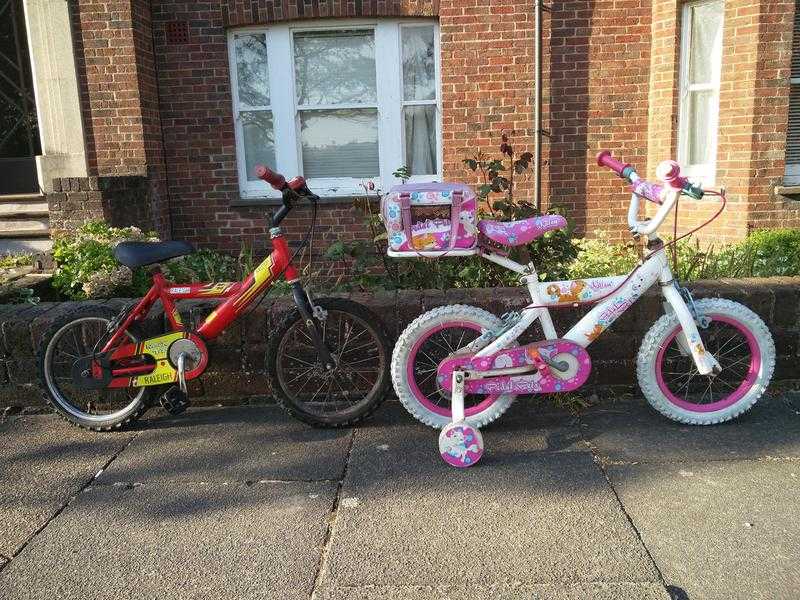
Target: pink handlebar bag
(430, 218)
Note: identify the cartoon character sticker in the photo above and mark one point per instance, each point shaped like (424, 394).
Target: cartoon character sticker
(460, 445)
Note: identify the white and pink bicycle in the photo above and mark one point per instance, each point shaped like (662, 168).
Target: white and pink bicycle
(459, 367)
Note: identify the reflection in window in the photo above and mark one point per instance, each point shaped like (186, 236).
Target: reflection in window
(251, 67)
(254, 119)
(335, 67)
(340, 143)
(259, 142)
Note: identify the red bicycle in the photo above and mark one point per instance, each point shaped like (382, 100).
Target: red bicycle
(327, 360)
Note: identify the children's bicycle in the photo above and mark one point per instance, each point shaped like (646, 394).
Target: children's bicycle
(327, 360)
(459, 367)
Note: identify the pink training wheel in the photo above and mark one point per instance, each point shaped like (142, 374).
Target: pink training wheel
(460, 445)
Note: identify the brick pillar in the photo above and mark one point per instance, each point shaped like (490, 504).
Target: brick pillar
(119, 98)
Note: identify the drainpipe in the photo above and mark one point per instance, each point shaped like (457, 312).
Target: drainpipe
(537, 115)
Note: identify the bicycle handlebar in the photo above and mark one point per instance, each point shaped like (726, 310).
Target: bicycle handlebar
(604, 159)
(665, 194)
(276, 180)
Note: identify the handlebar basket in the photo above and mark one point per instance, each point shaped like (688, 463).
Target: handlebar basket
(430, 220)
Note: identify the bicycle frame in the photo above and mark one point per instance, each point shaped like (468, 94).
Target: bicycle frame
(622, 291)
(236, 296)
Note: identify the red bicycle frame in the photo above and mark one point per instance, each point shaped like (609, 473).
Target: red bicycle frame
(149, 362)
(237, 297)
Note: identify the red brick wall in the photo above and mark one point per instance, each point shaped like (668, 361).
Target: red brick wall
(610, 78)
(754, 89)
(197, 120)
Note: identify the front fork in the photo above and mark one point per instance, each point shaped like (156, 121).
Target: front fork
(689, 339)
(310, 315)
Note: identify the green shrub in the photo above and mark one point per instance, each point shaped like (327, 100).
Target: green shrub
(773, 252)
(12, 261)
(85, 266)
(203, 265)
(598, 258)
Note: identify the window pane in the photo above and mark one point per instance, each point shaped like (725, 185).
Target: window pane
(335, 67)
(420, 124)
(339, 143)
(251, 69)
(419, 63)
(700, 110)
(706, 35)
(259, 141)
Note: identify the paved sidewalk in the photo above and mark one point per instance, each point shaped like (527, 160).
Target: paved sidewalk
(245, 503)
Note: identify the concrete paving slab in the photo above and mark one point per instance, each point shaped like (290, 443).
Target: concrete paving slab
(596, 591)
(245, 443)
(44, 461)
(631, 431)
(529, 514)
(204, 542)
(725, 530)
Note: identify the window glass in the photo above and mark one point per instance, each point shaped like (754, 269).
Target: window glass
(420, 135)
(259, 141)
(251, 69)
(706, 35)
(702, 30)
(701, 104)
(335, 67)
(339, 143)
(419, 64)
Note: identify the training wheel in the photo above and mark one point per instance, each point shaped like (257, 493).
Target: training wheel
(460, 445)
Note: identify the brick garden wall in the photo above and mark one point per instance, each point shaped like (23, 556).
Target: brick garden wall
(236, 370)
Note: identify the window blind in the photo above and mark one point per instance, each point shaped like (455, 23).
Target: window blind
(793, 133)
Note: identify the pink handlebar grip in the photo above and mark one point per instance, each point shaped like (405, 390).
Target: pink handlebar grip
(604, 159)
(276, 180)
(669, 172)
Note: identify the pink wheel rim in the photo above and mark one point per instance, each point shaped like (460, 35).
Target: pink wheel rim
(745, 386)
(412, 380)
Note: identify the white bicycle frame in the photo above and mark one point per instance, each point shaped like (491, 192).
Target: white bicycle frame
(654, 269)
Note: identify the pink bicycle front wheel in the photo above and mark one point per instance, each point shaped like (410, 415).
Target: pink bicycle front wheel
(738, 340)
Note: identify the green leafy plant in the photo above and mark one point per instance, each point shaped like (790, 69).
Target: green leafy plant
(203, 265)
(85, 266)
(12, 261)
(597, 258)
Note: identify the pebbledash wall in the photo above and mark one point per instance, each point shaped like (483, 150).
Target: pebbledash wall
(162, 110)
(236, 370)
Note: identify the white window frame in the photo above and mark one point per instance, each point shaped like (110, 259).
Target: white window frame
(286, 115)
(703, 173)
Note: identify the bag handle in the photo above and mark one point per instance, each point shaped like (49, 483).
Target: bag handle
(455, 216)
(405, 216)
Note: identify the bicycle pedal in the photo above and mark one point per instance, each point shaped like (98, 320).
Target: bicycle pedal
(174, 401)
